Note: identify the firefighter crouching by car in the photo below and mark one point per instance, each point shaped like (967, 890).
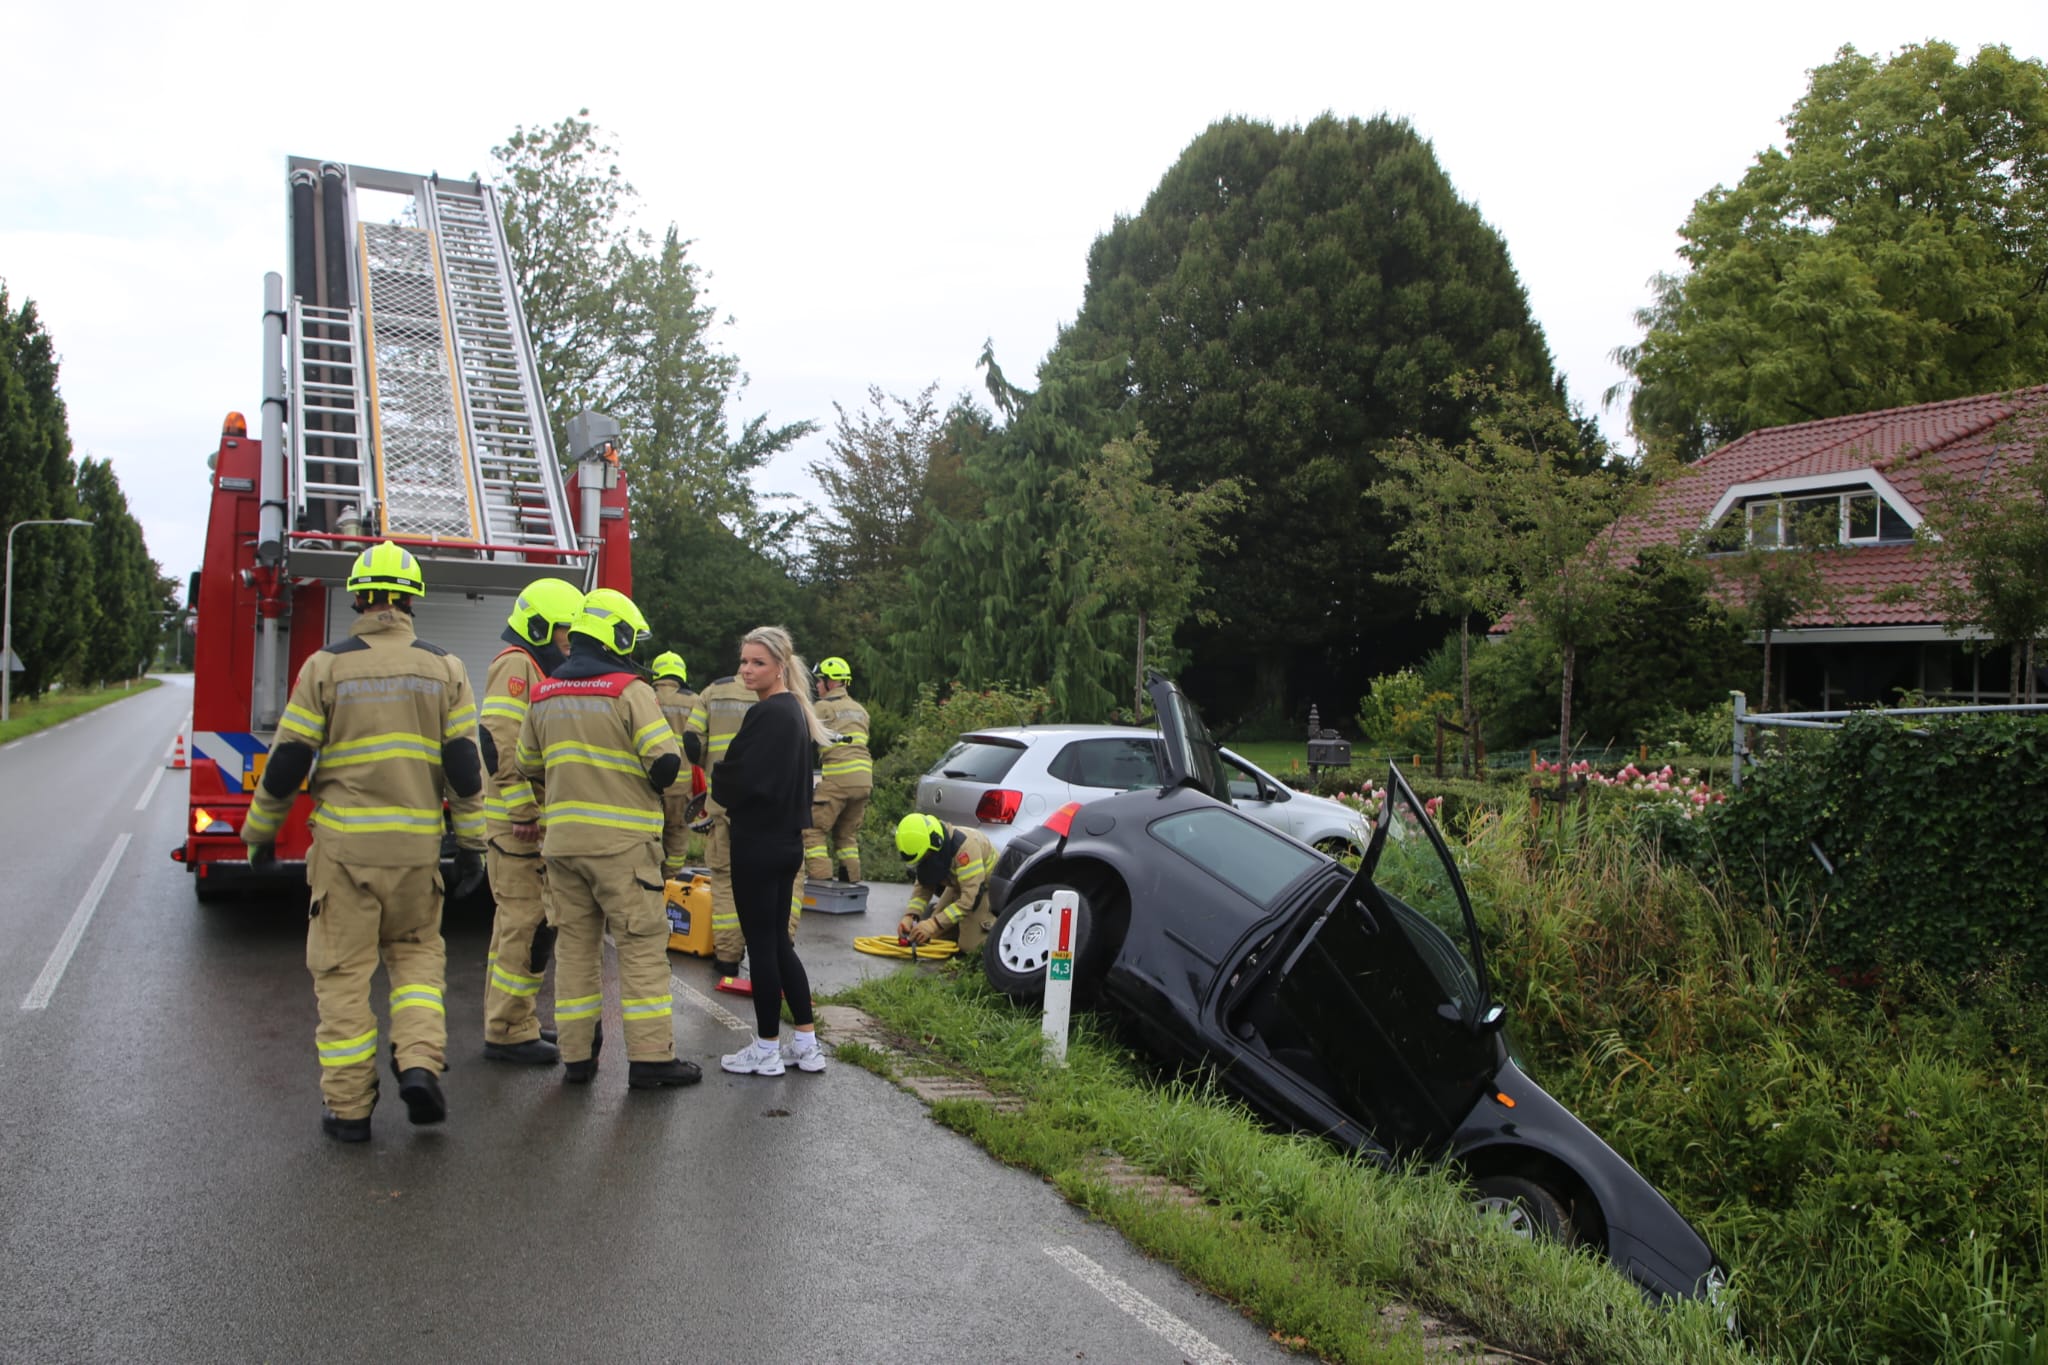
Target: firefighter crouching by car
(846, 777)
(953, 865)
(595, 738)
(672, 693)
(714, 720)
(391, 721)
(537, 639)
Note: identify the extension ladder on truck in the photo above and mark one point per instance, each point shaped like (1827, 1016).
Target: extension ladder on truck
(415, 406)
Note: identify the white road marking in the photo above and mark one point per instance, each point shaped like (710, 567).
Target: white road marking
(60, 956)
(710, 1006)
(150, 790)
(1192, 1345)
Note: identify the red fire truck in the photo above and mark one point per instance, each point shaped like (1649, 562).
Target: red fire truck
(401, 401)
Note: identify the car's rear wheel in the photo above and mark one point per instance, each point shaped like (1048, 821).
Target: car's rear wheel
(1015, 956)
(1528, 1209)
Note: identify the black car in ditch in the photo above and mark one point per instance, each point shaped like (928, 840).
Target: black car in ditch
(1352, 1004)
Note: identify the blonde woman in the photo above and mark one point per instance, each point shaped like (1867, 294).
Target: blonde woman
(764, 783)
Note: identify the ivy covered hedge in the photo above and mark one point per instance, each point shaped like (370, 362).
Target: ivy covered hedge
(1936, 831)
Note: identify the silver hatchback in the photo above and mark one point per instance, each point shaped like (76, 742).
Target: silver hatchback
(1006, 780)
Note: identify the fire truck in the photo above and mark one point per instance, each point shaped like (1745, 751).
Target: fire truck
(401, 401)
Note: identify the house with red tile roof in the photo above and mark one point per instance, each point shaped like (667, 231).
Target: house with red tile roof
(1866, 477)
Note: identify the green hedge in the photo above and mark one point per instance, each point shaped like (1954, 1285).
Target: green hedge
(1935, 831)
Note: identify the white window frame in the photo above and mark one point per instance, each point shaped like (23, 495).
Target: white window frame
(1846, 485)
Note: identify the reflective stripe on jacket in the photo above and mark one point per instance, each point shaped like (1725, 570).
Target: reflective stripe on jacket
(509, 797)
(845, 766)
(378, 710)
(716, 717)
(965, 877)
(592, 742)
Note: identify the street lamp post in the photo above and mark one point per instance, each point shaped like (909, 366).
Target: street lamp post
(7, 629)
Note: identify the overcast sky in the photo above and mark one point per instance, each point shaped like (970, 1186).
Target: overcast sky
(872, 190)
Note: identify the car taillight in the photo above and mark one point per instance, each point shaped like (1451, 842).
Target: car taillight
(1062, 819)
(998, 806)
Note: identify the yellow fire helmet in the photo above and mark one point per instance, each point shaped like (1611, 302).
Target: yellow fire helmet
(610, 618)
(918, 834)
(670, 665)
(541, 606)
(836, 669)
(387, 567)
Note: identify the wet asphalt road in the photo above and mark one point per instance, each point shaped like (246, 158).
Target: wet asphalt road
(165, 1192)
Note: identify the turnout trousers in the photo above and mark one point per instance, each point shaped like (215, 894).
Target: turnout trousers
(728, 944)
(834, 835)
(620, 892)
(519, 885)
(357, 915)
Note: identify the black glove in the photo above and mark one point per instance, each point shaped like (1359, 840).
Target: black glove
(262, 855)
(469, 873)
(543, 949)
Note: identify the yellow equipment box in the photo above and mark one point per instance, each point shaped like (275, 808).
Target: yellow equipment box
(689, 912)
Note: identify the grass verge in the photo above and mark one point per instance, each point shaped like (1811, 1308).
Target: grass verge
(30, 716)
(1305, 1240)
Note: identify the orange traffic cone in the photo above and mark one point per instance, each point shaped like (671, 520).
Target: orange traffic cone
(178, 752)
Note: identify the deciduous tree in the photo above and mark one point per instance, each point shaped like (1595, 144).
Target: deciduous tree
(1778, 580)
(1990, 530)
(1450, 545)
(893, 467)
(1145, 543)
(620, 324)
(120, 603)
(1892, 252)
(1555, 509)
(38, 482)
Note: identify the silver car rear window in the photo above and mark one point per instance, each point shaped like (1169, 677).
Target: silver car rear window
(978, 760)
(1120, 764)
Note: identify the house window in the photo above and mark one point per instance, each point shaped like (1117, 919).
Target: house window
(1868, 519)
(1847, 517)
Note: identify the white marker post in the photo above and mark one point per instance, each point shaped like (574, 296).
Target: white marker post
(1059, 977)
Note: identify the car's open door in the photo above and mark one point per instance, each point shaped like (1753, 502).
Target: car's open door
(1187, 753)
(1381, 1001)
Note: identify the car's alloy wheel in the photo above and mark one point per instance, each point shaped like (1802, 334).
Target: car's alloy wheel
(1527, 1209)
(1020, 945)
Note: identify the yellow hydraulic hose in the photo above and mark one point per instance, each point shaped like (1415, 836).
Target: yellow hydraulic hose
(885, 945)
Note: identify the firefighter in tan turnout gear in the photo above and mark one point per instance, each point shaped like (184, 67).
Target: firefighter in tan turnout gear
(953, 865)
(714, 720)
(391, 722)
(846, 777)
(597, 741)
(537, 642)
(672, 693)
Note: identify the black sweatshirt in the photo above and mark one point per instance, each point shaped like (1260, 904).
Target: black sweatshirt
(764, 780)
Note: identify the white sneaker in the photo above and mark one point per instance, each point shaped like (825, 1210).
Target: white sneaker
(810, 1058)
(754, 1060)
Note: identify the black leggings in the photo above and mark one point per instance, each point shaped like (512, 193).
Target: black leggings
(762, 880)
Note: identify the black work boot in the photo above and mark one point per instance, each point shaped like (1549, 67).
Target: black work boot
(724, 969)
(420, 1088)
(533, 1052)
(654, 1075)
(581, 1073)
(547, 1035)
(344, 1130)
